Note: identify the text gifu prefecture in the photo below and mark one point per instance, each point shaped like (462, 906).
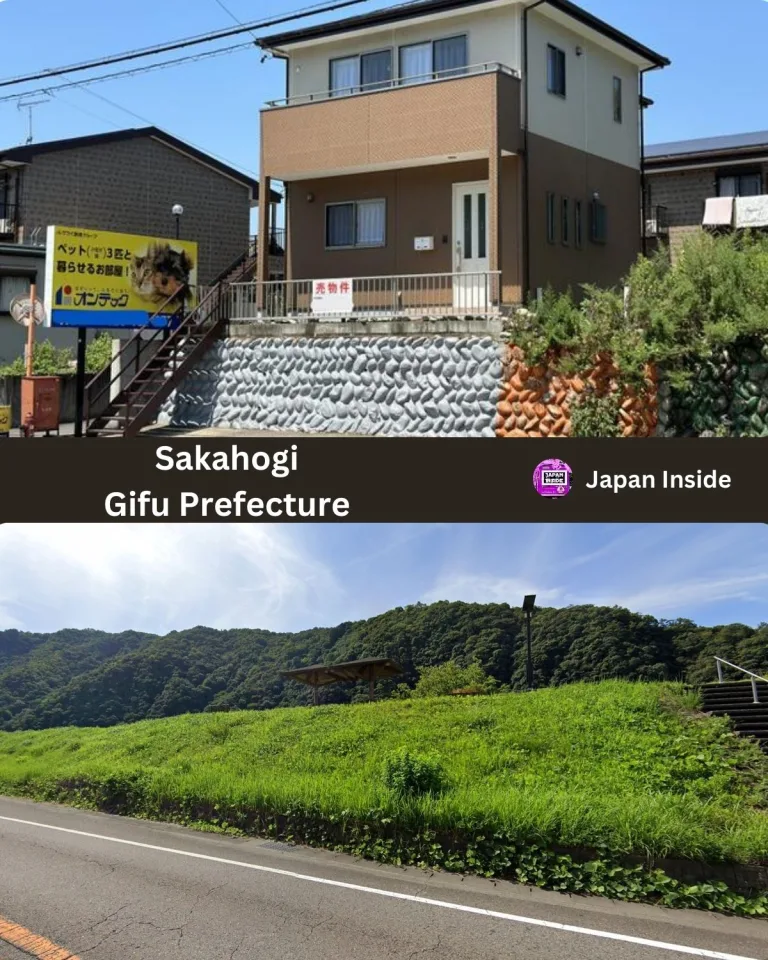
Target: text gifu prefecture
(711, 480)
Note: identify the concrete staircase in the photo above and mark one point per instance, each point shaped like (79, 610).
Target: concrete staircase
(735, 699)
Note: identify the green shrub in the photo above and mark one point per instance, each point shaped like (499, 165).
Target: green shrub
(47, 361)
(596, 416)
(98, 353)
(51, 361)
(444, 679)
(409, 775)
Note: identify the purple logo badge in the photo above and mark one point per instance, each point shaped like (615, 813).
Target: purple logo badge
(552, 478)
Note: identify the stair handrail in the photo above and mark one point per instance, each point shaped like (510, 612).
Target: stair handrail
(149, 325)
(208, 309)
(754, 677)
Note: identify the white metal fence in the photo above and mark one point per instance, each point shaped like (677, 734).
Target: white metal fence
(417, 296)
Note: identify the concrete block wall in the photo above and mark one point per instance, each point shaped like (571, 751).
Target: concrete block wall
(390, 386)
(130, 186)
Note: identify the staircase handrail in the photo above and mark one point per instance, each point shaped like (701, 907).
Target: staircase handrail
(198, 319)
(753, 677)
(749, 673)
(149, 325)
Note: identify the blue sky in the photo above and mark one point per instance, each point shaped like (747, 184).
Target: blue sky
(160, 577)
(715, 86)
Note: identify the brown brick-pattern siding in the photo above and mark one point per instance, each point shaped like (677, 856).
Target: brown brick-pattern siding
(394, 126)
(129, 187)
(535, 401)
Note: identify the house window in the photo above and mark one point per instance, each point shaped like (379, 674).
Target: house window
(740, 185)
(550, 218)
(441, 58)
(450, 56)
(345, 76)
(599, 225)
(369, 71)
(376, 70)
(618, 100)
(11, 287)
(565, 221)
(555, 70)
(359, 224)
(578, 224)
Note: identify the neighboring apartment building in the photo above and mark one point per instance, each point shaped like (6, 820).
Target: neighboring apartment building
(126, 181)
(718, 183)
(467, 136)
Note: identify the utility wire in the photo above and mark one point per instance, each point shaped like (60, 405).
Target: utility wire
(232, 16)
(131, 72)
(182, 44)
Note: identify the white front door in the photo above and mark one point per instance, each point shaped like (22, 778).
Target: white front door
(470, 245)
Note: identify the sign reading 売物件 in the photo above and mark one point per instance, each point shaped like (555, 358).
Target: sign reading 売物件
(99, 279)
(332, 298)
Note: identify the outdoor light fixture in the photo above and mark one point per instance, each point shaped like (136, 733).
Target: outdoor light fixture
(310, 198)
(177, 210)
(528, 604)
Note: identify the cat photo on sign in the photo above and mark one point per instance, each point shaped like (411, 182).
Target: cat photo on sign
(162, 274)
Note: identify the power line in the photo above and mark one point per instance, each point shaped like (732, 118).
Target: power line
(131, 72)
(232, 16)
(182, 44)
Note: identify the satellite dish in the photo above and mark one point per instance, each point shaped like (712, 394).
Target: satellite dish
(22, 309)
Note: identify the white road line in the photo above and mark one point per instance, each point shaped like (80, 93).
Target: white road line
(446, 905)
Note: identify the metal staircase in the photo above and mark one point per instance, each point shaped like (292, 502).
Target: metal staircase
(745, 702)
(158, 358)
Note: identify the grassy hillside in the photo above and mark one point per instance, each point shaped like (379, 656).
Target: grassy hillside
(615, 767)
(90, 678)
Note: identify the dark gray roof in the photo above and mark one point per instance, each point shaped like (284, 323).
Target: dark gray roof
(726, 144)
(27, 153)
(421, 8)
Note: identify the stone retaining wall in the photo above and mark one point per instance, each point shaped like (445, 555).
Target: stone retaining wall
(536, 401)
(392, 386)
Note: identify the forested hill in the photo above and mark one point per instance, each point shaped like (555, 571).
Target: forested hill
(88, 677)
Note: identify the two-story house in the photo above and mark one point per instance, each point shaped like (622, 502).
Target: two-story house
(463, 138)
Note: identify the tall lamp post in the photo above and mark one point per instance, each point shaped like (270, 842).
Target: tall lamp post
(528, 605)
(178, 211)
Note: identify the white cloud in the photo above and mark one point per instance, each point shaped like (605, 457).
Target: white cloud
(158, 577)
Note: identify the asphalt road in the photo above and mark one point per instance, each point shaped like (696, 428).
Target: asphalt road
(106, 888)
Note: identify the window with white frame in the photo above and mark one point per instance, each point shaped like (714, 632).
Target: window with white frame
(435, 58)
(360, 223)
(555, 70)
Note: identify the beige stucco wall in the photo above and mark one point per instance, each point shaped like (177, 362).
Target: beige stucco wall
(493, 37)
(584, 119)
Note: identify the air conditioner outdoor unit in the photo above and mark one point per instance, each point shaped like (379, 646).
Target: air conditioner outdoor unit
(6, 226)
(651, 228)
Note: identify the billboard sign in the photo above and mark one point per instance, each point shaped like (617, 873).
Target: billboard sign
(115, 280)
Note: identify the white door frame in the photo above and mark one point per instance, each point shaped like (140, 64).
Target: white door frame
(470, 294)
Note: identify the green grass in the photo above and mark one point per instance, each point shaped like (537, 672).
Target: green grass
(626, 766)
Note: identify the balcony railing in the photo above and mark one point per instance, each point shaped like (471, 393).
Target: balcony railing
(395, 83)
(657, 222)
(413, 297)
